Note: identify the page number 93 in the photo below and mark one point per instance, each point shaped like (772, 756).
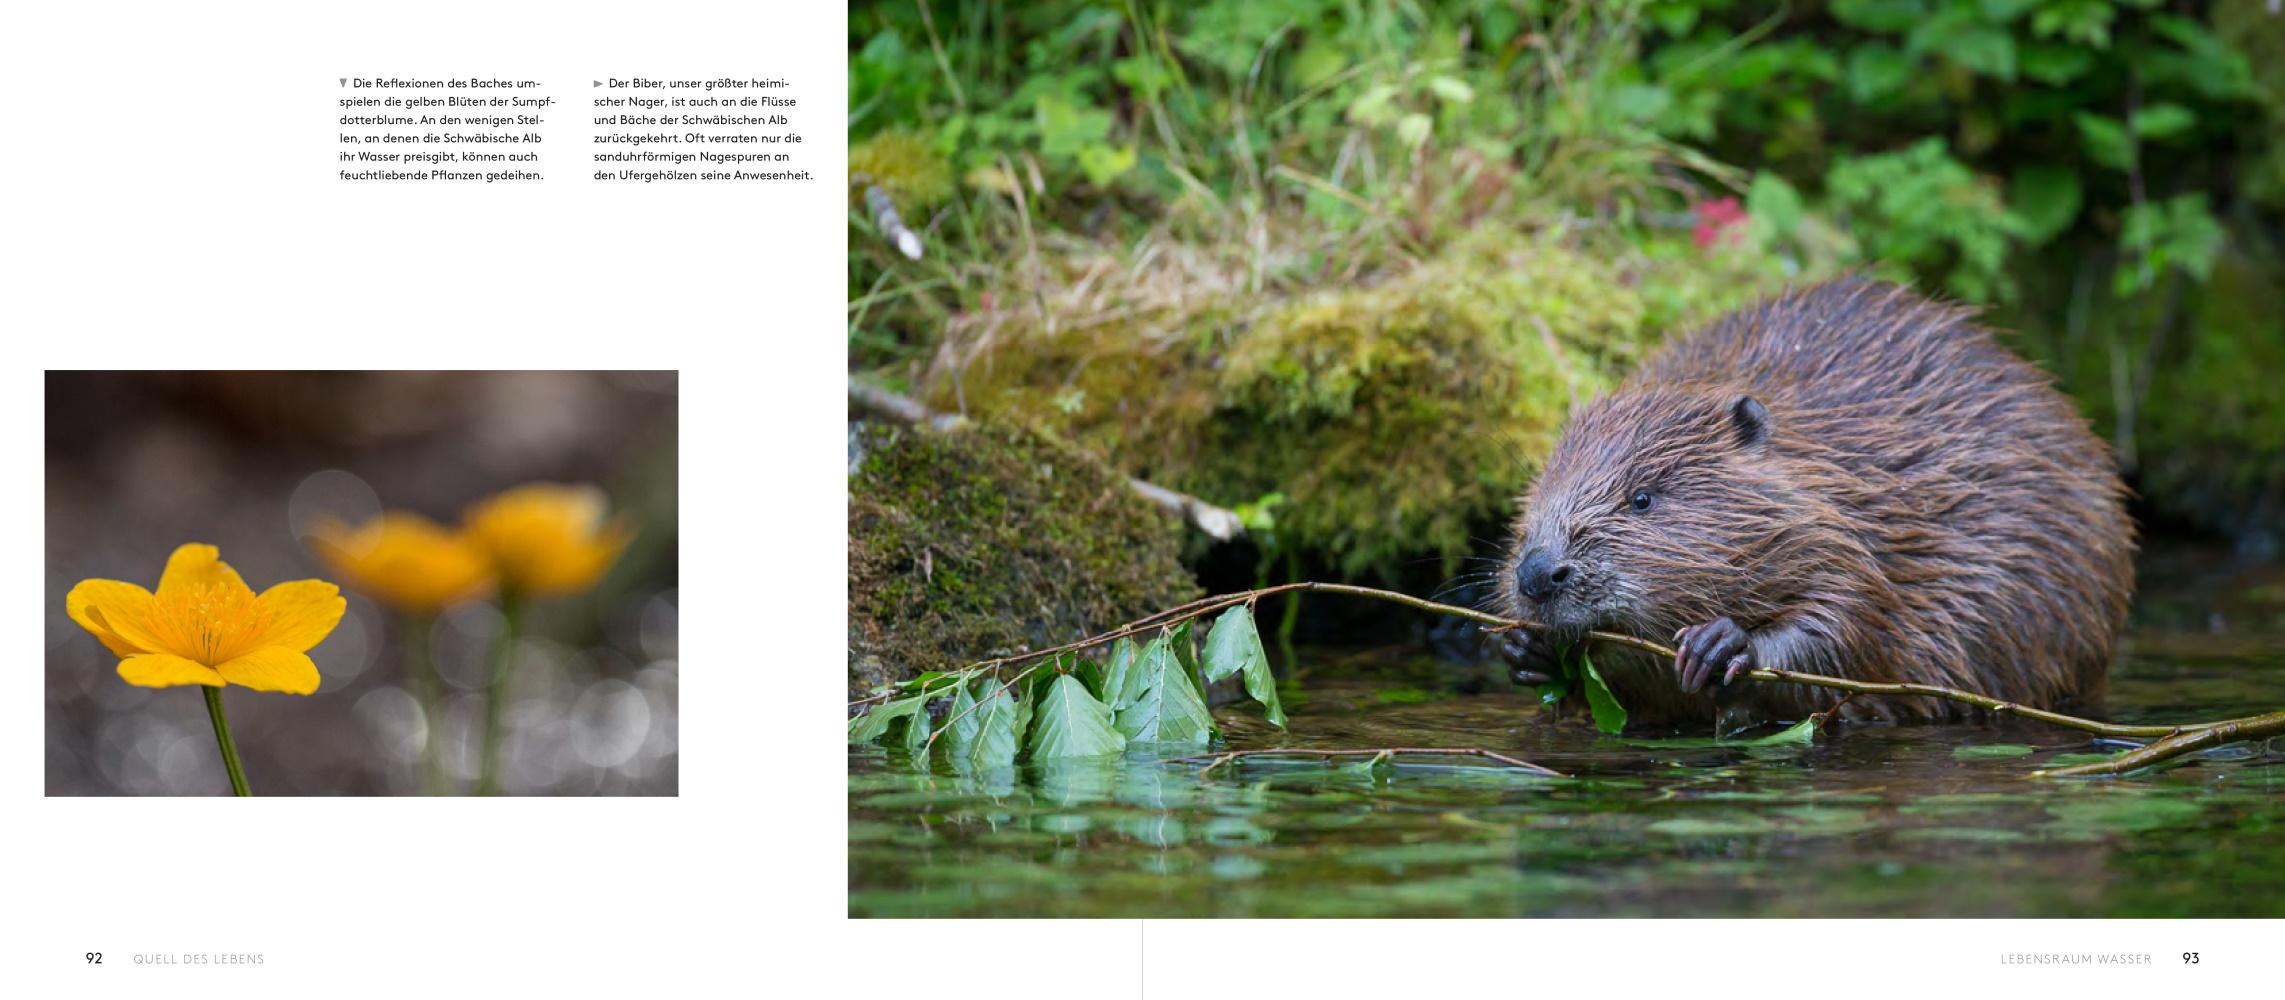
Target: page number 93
(2189, 958)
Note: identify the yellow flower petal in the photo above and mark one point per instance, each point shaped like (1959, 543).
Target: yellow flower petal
(273, 668)
(302, 613)
(158, 670)
(403, 560)
(195, 564)
(117, 613)
(548, 539)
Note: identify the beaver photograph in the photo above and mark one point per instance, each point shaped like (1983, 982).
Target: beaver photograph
(1848, 479)
(1559, 459)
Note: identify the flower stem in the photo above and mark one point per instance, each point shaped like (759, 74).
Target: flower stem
(420, 672)
(229, 747)
(496, 694)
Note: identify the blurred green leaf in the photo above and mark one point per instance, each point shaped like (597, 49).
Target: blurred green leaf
(1104, 164)
(1880, 15)
(1774, 203)
(2047, 198)
(2054, 64)
(1876, 70)
(2162, 121)
(2106, 140)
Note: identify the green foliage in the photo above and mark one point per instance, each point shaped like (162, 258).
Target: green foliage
(1157, 701)
(1071, 707)
(1921, 209)
(1610, 717)
(1141, 209)
(1234, 647)
(1577, 673)
(1070, 721)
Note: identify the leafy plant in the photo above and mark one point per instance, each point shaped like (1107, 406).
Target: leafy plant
(1075, 707)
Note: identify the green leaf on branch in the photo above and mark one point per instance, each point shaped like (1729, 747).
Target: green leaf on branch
(986, 736)
(1234, 647)
(982, 734)
(875, 722)
(1069, 722)
(1166, 706)
(1610, 716)
(915, 739)
(1118, 678)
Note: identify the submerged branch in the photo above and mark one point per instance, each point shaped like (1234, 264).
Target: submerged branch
(1219, 523)
(1494, 623)
(1214, 760)
(2187, 741)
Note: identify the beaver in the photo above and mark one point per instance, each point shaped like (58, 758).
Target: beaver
(1848, 479)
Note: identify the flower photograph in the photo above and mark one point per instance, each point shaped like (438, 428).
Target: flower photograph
(376, 583)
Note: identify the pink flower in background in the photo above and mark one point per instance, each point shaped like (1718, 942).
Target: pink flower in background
(1717, 220)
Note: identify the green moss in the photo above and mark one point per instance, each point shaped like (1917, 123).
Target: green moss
(987, 541)
(1398, 415)
(904, 165)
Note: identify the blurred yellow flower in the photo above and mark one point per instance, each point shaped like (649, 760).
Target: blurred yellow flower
(205, 626)
(403, 560)
(547, 539)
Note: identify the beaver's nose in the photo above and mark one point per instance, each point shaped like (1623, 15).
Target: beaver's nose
(1538, 576)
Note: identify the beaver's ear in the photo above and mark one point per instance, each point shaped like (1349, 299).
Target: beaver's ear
(1750, 420)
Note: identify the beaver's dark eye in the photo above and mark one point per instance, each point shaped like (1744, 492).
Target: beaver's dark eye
(1641, 501)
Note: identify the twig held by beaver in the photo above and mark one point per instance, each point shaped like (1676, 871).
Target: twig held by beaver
(1848, 480)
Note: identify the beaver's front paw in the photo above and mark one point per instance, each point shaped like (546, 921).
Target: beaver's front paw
(1533, 658)
(1701, 651)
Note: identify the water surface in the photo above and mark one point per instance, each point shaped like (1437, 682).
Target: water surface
(1865, 821)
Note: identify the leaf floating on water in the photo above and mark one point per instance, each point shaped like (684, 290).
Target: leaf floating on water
(1983, 751)
(1166, 707)
(1069, 722)
(1804, 731)
(1234, 647)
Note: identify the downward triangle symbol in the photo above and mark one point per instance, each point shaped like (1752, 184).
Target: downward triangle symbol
(345, 81)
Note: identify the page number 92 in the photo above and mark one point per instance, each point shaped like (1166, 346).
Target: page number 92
(95, 958)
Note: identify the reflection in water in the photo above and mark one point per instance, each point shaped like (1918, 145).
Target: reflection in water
(1869, 821)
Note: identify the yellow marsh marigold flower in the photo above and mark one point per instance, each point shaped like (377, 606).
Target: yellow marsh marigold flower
(205, 626)
(403, 560)
(547, 539)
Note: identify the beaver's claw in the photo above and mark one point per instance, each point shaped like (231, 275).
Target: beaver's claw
(1532, 658)
(1703, 650)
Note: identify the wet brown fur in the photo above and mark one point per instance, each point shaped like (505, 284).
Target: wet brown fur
(1923, 506)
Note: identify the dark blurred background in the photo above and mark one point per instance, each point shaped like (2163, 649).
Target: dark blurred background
(140, 462)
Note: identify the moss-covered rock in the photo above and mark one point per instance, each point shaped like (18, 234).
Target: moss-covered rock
(985, 541)
(1397, 415)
